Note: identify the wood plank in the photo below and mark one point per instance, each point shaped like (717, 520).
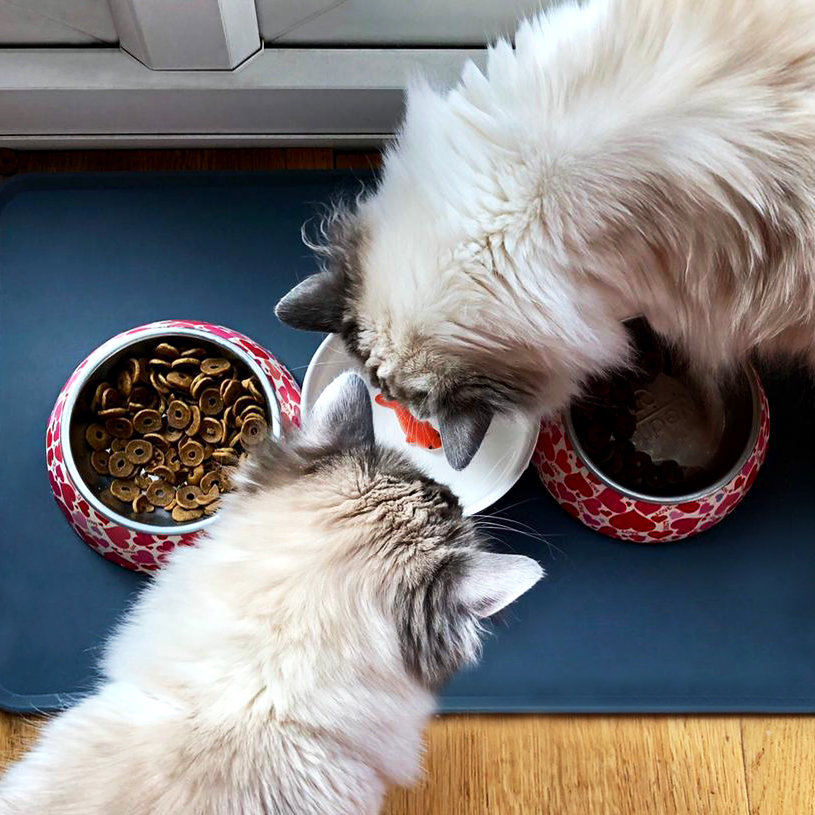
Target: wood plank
(572, 765)
(246, 160)
(779, 761)
(355, 160)
(309, 158)
(17, 734)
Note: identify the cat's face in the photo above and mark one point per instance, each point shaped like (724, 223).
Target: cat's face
(393, 535)
(423, 342)
(445, 327)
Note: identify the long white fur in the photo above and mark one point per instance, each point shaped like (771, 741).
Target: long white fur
(232, 688)
(626, 157)
(261, 672)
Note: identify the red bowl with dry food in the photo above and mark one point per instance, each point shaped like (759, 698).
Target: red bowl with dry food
(143, 434)
(652, 456)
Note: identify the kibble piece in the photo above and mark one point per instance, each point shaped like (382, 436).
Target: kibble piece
(125, 384)
(179, 379)
(253, 410)
(671, 471)
(622, 393)
(160, 493)
(182, 515)
(107, 413)
(635, 467)
(208, 497)
(195, 421)
(134, 368)
(654, 479)
(231, 390)
(597, 436)
(141, 504)
(187, 496)
(96, 402)
(215, 366)
(157, 458)
(111, 398)
(157, 440)
(189, 365)
(120, 467)
(99, 461)
(172, 460)
(241, 404)
(251, 386)
(147, 421)
(156, 382)
(210, 402)
(178, 414)
(97, 437)
(212, 430)
(197, 475)
(140, 397)
(200, 383)
(253, 431)
(118, 444)
(124, 490)
(139, 451)
(158, 365)
(194, 352)
(120, 427)
(143, 480)
(624, 424)
(165, 349)
(235, 438)
(226, 456)
(164, 472)
(191, 453)
(173, 434)
(211, 509)
(213, 479)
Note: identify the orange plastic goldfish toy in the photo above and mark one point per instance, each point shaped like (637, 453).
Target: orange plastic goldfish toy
(417, 432)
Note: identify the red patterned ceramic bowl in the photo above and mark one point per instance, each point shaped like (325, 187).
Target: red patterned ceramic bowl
(143, 542)
(581, 487)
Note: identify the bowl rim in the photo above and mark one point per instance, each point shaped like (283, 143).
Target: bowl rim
(95, 360)
(758, 409)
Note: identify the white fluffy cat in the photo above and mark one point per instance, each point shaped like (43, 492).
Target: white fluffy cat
(626, 157)
(286, 664)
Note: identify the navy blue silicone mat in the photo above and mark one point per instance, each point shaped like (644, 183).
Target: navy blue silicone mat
(721, 623)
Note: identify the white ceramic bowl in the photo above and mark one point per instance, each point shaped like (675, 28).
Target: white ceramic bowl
(500, 461)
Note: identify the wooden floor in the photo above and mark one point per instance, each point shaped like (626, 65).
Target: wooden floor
(594, 765)
(557, 765)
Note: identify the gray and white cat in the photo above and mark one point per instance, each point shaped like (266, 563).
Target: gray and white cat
(286, 664)
(624, 158)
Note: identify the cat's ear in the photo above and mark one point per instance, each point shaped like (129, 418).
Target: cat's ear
(493, 581)
(316, 304)
(342, 416)
(462, 434)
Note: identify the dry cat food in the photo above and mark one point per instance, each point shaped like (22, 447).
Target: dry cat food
(605, 421)
(167, 428)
